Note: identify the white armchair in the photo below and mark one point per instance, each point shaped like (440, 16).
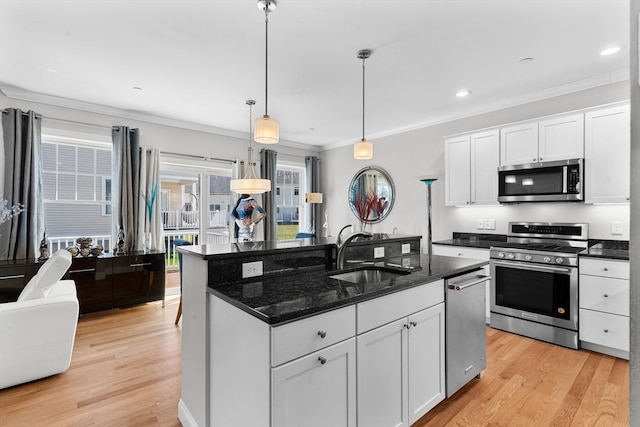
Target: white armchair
(37, 331)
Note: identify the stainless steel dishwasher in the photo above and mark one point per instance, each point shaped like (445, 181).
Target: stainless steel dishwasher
(466, 340)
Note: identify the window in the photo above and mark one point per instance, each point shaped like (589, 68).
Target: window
(289, 179)
(77, 193)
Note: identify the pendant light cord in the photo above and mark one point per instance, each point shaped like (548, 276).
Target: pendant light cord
(363, 59)
(266, 59)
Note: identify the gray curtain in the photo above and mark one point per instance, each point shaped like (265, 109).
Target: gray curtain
(22, 234)
(268, 166)
(312, 166)
(126, 185)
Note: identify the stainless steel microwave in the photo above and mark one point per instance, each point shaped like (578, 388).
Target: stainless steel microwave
(542, 182)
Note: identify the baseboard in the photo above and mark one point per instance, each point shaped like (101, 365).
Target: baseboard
(604, 350)
(184, 416)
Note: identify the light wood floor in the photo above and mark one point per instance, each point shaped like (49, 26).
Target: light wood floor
(126, 372)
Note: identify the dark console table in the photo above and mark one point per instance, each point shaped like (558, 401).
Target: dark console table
(103, 282)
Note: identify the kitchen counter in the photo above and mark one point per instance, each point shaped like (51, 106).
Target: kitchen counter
(611, 249)
(474, 240)
(283, 298)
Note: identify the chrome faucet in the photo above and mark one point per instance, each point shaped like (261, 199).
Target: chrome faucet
(339, 239)
(342, 246)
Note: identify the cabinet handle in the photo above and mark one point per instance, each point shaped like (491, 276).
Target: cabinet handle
(322, 360)
(534, 159)
(606, 331)
(406, 325)
(17, 276)
(83, 270)
(142, 264)
(605, 269)
(412, 323)
(606, 295)
(459, 253)
(322, 334)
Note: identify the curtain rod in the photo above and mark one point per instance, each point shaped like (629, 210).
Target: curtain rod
(24, 113)
(193, 156)
(77, 123)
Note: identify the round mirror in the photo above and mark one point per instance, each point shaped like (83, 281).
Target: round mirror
(371, 194)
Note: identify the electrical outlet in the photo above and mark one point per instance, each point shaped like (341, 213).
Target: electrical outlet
(489, 224)
(251, 269)
(406, 248)
(378, 252)
(616, 227)
(480, 224)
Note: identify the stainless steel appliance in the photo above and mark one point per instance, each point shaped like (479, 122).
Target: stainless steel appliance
(542, 182)
(465, 324)
(534, 281)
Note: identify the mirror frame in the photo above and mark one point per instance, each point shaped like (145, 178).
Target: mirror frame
(390, 198)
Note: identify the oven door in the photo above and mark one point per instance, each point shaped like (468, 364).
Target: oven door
(540, 293)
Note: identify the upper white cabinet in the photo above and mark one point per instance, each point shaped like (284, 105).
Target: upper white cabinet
(557, 138)
(471, 168)
(607, 155)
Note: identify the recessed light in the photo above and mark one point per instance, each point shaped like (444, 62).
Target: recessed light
(463, 93)
(610, 50)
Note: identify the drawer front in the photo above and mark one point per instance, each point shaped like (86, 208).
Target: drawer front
(605, 268)
(461, 252)
(604, 294)
(314, 333)
(382, 310)
(608, 330)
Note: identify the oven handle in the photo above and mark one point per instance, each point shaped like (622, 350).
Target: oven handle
(527, 266)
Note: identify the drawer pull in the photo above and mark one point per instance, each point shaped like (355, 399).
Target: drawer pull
(322, 360)
(459, 253)
(17, 276)
(413, 323)
(83, 270)
(322, 334)
(142, 264)
(606, 331)
(605, 269)
(606, 295)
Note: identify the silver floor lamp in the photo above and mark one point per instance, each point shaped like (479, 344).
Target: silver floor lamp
(428, 182)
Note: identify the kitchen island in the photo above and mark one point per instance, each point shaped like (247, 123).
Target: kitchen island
(292, 346)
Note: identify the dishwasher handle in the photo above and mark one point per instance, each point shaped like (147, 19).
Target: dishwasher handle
(475, 281)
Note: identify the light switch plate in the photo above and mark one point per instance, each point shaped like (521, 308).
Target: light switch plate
(251, 269)
(480, 224)
(378, 252)
(406, 248)
(489, 224)
(616, 227)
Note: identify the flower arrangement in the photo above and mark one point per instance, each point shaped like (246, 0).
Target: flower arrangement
(7, 212)
(364, 204)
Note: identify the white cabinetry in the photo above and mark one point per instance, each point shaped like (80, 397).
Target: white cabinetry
(401, 372)
(604, 306)
(471, 163)
(607, 155)
(556, 138)
(471, 253)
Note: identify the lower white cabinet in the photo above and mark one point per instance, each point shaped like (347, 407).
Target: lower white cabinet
(401, 369)
(317, 390)
(604, 306)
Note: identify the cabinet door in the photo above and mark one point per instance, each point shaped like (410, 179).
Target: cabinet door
(93, 283)
(519, 144)
(561, 138)
(426, 356)
(457, 159)
(485, 159)
(138, 279)
(317, 390)
(383, 376)
(607, 153)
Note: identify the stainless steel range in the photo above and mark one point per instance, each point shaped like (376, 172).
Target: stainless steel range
(534, 281)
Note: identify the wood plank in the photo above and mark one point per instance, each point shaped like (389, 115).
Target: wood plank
(126, 371)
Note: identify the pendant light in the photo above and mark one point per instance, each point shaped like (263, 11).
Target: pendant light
(250, 184)
(363, 149)
(267, 129)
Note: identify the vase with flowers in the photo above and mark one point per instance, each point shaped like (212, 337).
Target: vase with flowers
(364, 204)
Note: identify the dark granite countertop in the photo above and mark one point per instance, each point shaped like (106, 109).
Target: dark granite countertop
(474, 240)
(283, 298)
(612, 249)
(233, 249)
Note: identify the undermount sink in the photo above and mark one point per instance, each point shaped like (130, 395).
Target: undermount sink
(368, 275)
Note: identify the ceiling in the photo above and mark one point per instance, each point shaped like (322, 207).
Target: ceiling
(197, 61)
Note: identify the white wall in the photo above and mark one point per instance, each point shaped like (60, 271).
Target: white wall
(411, 155)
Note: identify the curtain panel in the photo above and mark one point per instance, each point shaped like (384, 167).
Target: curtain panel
(126, 186)
(268, 167)
(22, 184)
(312, 185)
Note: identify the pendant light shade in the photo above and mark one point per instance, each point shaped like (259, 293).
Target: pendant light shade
(363, 149)
(267, 130)
(250, 184)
